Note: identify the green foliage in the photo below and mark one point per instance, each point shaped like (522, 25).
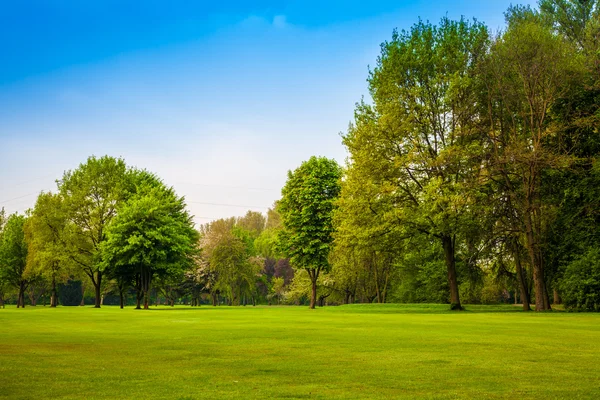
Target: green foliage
(306, 207)
(45, 230)
(581, 282)
(151, 234)
(91, 195)
(13, 256)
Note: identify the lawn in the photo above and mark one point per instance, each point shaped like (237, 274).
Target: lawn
(356, 351)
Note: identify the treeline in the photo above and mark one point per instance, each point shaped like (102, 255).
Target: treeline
(479, 152)
(473, 177)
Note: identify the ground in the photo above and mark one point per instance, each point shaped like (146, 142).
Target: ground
(356, 351)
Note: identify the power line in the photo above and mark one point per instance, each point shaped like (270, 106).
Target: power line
(226, 186)
(20, 197)
(226, 205)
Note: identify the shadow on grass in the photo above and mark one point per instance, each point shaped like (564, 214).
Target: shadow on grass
(429, 308)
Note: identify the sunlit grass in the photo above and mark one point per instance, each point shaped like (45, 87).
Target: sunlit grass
(358, 351)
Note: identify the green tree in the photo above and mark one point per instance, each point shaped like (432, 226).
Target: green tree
(13, 256)
(306, 207)
(152, 232)
(231, 256)
(415, 150)
(529, 68)
(92, 194)
(44, 230)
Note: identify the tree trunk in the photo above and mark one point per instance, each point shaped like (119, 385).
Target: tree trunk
(448, 243)
(556, 297)
(145, 299)
(522, 279)
(121, 300)
(314, 275)
(21, 298)
(541, 295)
(53, 299)
(138, 299)
(97, 284)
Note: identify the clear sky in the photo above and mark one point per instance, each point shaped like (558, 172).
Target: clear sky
(219, 99)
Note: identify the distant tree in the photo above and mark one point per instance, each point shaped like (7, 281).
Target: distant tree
(13, 256)
(3, 283)
(278, 289)
(253, 222)
(44, 231)
(273, 218)
(306, 208)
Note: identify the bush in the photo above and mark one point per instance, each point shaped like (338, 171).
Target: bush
(581, 283)
(69, 294)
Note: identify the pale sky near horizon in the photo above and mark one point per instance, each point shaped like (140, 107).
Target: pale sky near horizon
(218, 100)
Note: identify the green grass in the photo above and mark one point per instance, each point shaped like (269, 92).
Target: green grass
(358, 351)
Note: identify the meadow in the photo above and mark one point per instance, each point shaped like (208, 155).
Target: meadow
(355, 351)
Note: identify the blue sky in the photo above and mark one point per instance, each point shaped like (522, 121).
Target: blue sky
(220, 99)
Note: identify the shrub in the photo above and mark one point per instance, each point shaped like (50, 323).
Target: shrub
(581, 283)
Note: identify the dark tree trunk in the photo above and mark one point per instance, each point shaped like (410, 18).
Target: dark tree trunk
(448, 243)
(542, 302)
(21, 297)
(97, 284)
(138, 298)
(314, 275)
(121, 300)
(522, 278)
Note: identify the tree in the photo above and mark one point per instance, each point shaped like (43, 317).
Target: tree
(92, 194)
(306, 208)
(44, 231)
(528, 69)
(13, 256)
(3, 283)
(151, 233)
(415, 150)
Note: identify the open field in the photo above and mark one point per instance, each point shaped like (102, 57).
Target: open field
(358, 351)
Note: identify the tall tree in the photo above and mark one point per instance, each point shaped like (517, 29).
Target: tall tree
(92, 194)
(415, 149)
(529, 69)
(13, 256)
(306, 207)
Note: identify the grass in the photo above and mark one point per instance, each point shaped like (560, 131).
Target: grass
(356, 351)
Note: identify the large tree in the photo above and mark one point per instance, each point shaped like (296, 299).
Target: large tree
(529, 68)
(414, 150)
(91, 196)
(306, 207)
(152, 234)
